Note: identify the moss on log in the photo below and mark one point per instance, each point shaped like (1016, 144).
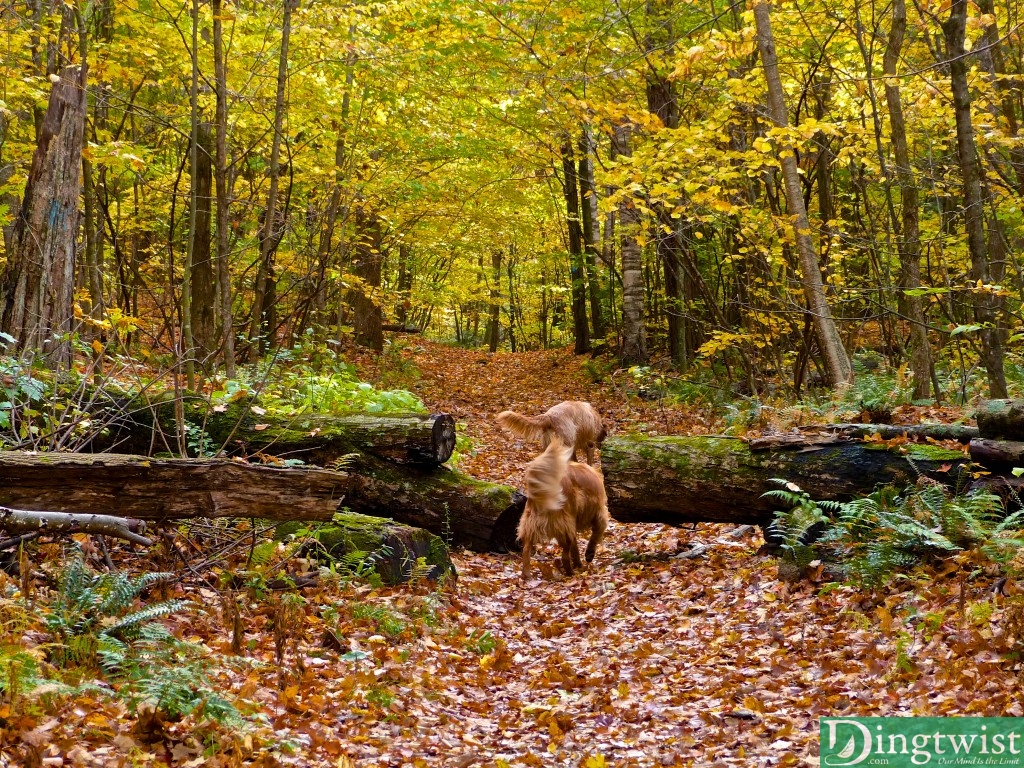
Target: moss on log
(680, 480)
(397, 552)
(1001, 419)
(242, 427)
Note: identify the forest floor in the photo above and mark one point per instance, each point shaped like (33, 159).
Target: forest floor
(646, 659)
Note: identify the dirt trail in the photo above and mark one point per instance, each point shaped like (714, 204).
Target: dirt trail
(650, 659)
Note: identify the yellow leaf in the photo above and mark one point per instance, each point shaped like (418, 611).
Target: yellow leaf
(595, 761)
(97, 346)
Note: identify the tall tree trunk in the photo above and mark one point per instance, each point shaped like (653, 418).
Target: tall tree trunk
(494, 309)
(837, 362)
(404, 283)
(974, 213)
(261, 328)
(220, 66)
(634, 338)
(908, 230)
(577, 273)
(367, 316)
(187, 337)
(591, 230)
(204, 294)
(37, 285)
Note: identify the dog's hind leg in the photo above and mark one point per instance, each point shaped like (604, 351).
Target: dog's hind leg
(595, 538)
(570, 553)
(527, 550)
(574, 550)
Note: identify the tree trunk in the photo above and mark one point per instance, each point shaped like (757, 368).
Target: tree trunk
(479, 515)
(227, 330)
(908, 229)
(837, 363)
(37, 285)
(367, 262)
(678, 480)
(494, 307)
(204, 285)
(984, 300)
(262, 323)
(591, 230)
(577, 272)
(634, 338)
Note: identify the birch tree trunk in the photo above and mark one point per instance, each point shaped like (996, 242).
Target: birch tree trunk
(634, 339)
(37, 285)
(837, 362)
(984, 302)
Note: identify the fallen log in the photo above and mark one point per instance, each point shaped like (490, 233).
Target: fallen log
(997, 454)
(476, 514)
(1001, 419)
(959, 432)
(679, 480)
(138, 427)
(25, 521)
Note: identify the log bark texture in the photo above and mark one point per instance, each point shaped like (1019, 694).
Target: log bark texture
(1001, 419)
(997, 454)
(38, 281)
(315, 438)
(679, 480)
(480, 515)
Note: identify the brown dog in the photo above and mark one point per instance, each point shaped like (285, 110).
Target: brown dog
(577, 424)
(562, 498)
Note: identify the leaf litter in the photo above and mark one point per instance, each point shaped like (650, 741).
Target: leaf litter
(650, 658)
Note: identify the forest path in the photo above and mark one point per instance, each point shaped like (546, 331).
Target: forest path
(651, 659)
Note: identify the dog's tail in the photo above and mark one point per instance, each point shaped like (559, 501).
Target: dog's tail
(525, 427)
(544, 476)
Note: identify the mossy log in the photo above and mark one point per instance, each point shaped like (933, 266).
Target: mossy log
(242, 427)
(476, 514)
(395, 551)
(679, 480)
(1001, 419)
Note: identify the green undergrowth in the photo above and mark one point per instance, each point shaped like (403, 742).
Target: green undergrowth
(871, 540)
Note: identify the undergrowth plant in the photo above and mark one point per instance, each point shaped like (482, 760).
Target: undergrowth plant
(94, 616)
(890, 531)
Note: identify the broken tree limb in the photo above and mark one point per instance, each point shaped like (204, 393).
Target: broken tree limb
(138, 427)
(461, 510)
(28, 521)
(678, 480)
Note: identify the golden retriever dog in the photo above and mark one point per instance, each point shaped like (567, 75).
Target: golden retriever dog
(562, 498)
(577, 424)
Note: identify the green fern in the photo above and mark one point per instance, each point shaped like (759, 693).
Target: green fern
(91, 611)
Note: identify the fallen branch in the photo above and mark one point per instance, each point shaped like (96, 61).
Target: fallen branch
(28, 521)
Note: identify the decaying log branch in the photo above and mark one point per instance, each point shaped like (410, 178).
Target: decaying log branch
(27, 521)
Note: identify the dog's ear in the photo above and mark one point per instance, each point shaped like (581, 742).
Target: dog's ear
(603, 434)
